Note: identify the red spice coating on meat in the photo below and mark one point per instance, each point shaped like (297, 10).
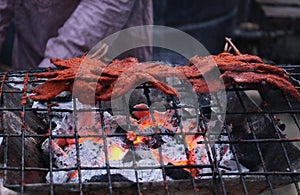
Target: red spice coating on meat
(99, 81)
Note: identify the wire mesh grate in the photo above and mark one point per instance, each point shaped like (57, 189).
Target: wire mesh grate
(264, 157)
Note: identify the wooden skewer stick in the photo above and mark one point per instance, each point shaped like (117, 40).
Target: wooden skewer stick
(228, 40)
(226, 47)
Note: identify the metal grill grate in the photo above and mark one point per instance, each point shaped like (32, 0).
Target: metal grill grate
(24, 166)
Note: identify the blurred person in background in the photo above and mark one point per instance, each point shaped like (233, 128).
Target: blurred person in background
(47, 29)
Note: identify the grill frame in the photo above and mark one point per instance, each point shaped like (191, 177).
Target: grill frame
(218, 183)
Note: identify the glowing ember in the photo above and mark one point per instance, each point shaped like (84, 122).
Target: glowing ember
(73, 175)
(116, 152)
(131, 136)
(146, 119)
(159, 144)
(139, 139)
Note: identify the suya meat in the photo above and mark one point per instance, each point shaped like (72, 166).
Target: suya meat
(230, 62)
(260, 80)
(97, 80)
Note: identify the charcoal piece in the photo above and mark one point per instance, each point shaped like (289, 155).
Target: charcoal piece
(205, 101)
(11, 123)
(275, 159)
(246, 152)
(138, 96)
(166, 131)
(156, 140)
(272, 152)
(104, 178)
(129, 157)
(177, 173)
(263, 128)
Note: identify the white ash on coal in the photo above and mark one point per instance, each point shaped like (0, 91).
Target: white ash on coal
(226, 159)
(92, 155)
(159, 145)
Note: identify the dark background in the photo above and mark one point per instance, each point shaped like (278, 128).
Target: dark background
(276, 40)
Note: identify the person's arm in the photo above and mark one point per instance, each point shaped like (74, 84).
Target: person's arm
(6, 13)
(91, 21)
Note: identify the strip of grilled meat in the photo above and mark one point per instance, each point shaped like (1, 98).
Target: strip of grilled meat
(95, 79)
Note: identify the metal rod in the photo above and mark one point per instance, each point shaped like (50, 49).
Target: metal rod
(232, 147)
(249, 122)
(5, 143)
(182, 135)
(76, 131)
(147, 95)
(23, 132)
(110, 188)
(214, 169)
(283, 147)
(50, 148)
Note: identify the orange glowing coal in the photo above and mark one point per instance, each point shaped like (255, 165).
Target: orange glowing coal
(160, 118)
(116, 152)
(131, 136)
(145, 119)
(194, 172)
(139, 139)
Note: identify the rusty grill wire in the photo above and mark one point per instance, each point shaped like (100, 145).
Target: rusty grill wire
(218, 182)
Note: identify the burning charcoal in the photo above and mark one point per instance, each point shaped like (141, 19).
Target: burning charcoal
(66, 126)
(165, 131)
(58, 177)
(92, 155)
(177, 173)
(112, 124)
(204, 101)
(175, 152)
(11, 122)
(138, 97)
(247, 153)
(274, 156)
(225, 157)
(104, 178)
(129, 157)
(159, 137)
(154, 141)
(131, 136)
(263, 128)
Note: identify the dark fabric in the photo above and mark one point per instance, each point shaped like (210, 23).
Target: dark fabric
(63, 29)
